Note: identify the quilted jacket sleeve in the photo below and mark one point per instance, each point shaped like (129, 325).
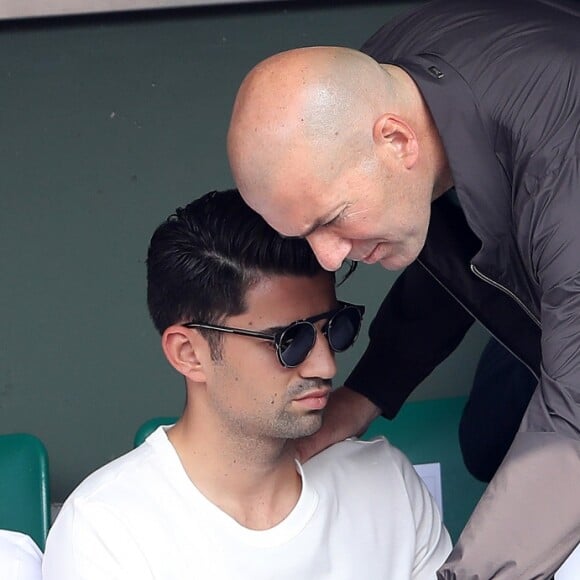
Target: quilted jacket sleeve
(406, 342)
(528, 520)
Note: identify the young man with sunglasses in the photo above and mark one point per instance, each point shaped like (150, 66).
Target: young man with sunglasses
(252, 322)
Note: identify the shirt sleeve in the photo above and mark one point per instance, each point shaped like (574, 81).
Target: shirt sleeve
(432, 541)
(87, 542)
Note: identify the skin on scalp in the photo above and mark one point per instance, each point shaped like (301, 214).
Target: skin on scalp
(320, 99)
(327, 134)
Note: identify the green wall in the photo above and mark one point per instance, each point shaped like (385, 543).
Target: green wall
(106, 125)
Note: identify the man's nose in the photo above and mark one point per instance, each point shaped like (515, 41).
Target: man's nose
(330, 250)
(320, 362)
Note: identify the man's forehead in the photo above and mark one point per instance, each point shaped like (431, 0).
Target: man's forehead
(292, 213)
(280, 299)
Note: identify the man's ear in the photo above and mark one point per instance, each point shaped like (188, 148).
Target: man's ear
(186, 350)
(392, 132)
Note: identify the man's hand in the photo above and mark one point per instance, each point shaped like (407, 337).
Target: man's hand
(348, 414)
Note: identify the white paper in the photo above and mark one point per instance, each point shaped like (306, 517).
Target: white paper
(570, 569)
(430, 473)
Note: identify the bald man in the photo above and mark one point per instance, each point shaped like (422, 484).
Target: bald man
(356, 151)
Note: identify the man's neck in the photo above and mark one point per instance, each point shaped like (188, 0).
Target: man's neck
(253, 481)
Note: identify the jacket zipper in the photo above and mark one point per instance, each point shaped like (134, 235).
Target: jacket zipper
(499, 287)
(483, 277)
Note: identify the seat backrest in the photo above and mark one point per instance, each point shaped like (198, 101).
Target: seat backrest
(427, 432)
(24, 486)
(149, 426)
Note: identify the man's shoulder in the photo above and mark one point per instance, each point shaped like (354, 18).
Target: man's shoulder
(359, 456)
(384, 473)
(20, 557)
(122, 475)
(362, 449)
(463, 33)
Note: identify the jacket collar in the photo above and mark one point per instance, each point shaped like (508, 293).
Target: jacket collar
(482, 186)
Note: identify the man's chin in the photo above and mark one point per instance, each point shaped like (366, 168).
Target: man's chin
(314, 425)
(391, 256)
(395, 263)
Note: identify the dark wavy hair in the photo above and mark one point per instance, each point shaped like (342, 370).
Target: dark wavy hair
(204, 258)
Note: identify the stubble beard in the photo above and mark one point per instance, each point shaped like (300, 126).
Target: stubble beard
(290, 426)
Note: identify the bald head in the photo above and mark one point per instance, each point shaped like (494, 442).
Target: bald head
(309, 108)
(327, 144)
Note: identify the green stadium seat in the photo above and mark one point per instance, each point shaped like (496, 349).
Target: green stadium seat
(24, 486)
(149, 426)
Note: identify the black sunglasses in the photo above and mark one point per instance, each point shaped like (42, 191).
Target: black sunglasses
(295, 341)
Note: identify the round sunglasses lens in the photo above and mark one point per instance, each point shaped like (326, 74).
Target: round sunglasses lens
(344, 328)
(296, 342)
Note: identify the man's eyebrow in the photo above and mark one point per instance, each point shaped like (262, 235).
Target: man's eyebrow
(273, 329)
(318, 223)
(306, 233)
(314, 227)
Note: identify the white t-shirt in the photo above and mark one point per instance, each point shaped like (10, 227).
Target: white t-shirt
(20, 558)
(363, 513)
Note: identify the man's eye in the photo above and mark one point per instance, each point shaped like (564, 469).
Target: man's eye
(340, 216)
(287, 342)
(331, 221)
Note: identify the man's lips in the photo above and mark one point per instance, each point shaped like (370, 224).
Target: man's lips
(372, 256)
(368, 257)
(315, 399)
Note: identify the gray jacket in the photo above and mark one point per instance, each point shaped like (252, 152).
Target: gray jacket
(502, 81)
